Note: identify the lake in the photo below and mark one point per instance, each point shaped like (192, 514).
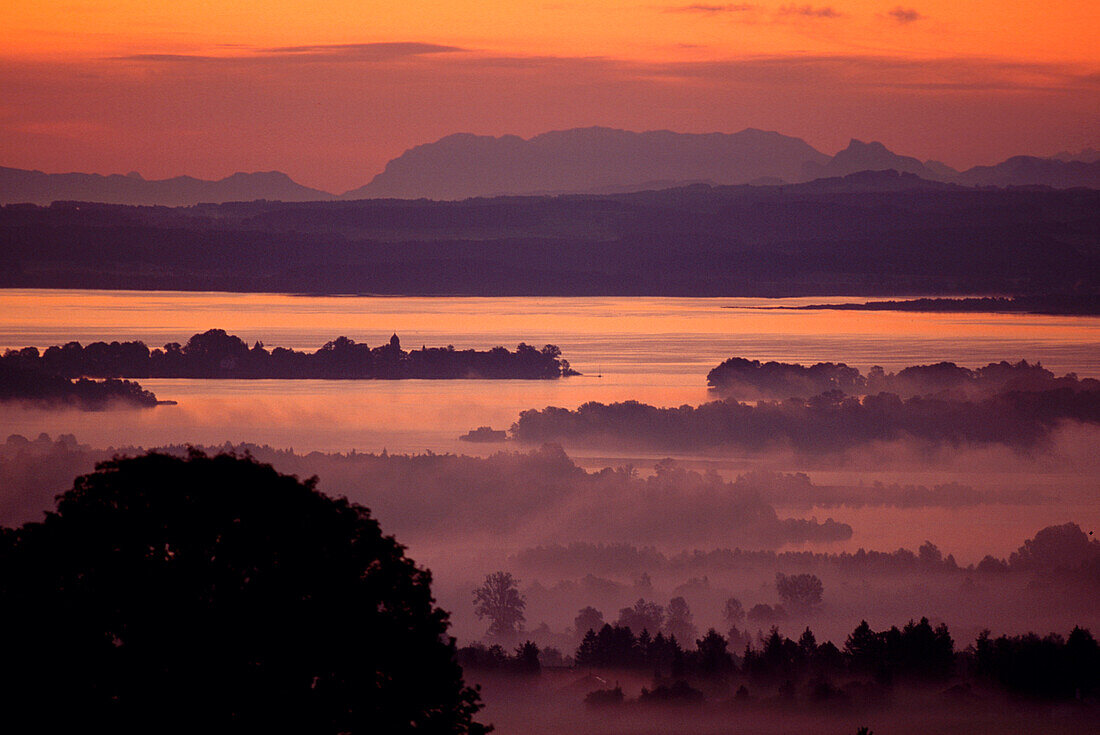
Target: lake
(654, 350)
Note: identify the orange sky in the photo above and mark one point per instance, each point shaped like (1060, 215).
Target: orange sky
(329, 91)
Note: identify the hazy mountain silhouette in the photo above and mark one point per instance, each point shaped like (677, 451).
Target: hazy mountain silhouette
(1086, 155)
(1063, 171)
(36, 187)
(1032, 171)
(587, 160)
(605, 161)
(874, 156)
(593, 161)
(869, 180)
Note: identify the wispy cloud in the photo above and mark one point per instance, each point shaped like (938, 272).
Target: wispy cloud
(904, 15)
(365, 51)
(809, 11)
(711, 9)
(345, 52)
(863, 74)
(167, 57)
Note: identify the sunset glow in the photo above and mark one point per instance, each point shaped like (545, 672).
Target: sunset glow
(329, 94)
(430, 366)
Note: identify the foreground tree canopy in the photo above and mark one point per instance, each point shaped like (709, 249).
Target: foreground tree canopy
(213, 593)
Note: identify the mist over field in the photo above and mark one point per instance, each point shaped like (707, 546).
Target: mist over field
(680, 551)
(607, 538)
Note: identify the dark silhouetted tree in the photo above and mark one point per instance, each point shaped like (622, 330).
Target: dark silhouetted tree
(863, 648)
(214, 594)
(1056, 546)
(643, 616)
(799, 591)
(712, 657)
(499, 600)
(930, 554)
(733, 612)
(766, 614)
(807, 645)
(679, 623)
(587, 619)
(527, 659)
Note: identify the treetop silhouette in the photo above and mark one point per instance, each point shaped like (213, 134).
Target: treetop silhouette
(169, 594)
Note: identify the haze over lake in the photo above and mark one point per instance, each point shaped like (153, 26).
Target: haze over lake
(654, 350)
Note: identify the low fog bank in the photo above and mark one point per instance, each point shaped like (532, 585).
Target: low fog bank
(42, 390)
(606, 539)
(680, 677)
(553, 702)
(743, 379)
(674, 601)
(540, 495)
(549, 707)
(832, 424)
(1052, 580)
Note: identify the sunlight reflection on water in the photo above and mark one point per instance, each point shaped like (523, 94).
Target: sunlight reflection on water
(655, 350)
(647, 349)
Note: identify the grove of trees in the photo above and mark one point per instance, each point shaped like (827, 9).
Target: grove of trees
(217, 354)
(1049, 668)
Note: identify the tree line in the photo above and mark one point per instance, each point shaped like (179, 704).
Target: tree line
(1050, 667)
(865, 667)
(691, 241)
(829, 422)
(741, 378)
(1058, 550)
(217, 354)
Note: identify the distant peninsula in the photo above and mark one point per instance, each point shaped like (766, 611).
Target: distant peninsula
(1062, 305)
(217, 354)
(46, 390)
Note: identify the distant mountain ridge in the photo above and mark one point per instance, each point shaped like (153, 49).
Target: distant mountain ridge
(586, 160)
(605, 160)
(593, 160)
(874, 156)
(1086, 155)
(36, 187)
(1032, 171)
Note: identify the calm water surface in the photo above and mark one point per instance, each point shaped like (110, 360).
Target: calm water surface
(655, 350)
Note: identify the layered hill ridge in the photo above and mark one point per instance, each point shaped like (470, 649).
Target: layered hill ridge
(36, 187)
(1032, 171)
(876, 233)
(604, 160)
(874, 156)
(594, 160)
